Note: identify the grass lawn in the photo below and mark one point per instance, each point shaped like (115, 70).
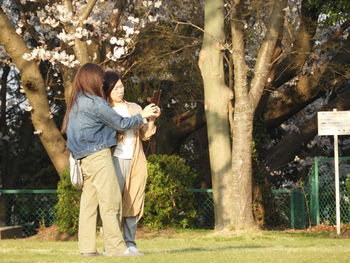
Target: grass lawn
(194, 246)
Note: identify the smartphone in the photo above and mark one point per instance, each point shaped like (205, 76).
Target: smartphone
(156, 97)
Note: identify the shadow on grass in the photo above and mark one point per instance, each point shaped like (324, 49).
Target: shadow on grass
(197, 249)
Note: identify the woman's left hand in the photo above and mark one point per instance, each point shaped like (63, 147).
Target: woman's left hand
(156, 113)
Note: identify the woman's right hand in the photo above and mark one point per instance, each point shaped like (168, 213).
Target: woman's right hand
(149, 111)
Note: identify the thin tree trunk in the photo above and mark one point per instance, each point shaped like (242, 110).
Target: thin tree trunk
(217, 97)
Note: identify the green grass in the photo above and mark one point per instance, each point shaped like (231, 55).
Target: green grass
(194, 246)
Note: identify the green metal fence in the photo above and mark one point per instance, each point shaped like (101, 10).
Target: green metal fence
(321, 190)
(28, 208)
(34, 208)
(311, 203)
(204, 206)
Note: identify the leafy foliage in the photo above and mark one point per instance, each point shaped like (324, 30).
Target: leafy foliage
(348, 187)
(67, 208)
(167, 201)
(335, 11)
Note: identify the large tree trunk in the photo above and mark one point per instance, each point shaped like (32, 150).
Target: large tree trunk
(247, 98)
(217, 98)
(35, 90)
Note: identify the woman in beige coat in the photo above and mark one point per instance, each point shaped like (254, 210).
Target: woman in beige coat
(129, 158)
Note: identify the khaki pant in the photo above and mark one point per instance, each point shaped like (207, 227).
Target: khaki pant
(101, 190)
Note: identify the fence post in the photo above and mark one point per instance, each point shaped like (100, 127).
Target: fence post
(298, 209)
(314, 196)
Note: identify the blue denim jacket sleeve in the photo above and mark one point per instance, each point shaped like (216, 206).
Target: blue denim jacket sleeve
(113, 120)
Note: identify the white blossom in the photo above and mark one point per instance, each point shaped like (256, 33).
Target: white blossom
(38, 132)
(27, 56)
(113, 40)
(118, 52)
(147, 3)
(28, 108)
(120, 42)
(128, 30)
(157, 4)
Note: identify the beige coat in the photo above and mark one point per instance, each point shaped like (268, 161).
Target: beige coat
(134, 191)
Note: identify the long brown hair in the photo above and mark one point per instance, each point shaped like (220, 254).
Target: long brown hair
(88, 80)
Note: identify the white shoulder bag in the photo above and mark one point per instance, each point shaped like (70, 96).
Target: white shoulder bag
(76, 175)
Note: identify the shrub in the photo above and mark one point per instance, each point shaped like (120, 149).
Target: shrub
(167, 201)
(67, 208)
(348, 188)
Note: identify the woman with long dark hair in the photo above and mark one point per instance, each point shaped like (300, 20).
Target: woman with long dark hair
(129, 158)
(91, 124)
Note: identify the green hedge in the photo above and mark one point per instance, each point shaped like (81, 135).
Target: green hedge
(67, 208)
(167, 201)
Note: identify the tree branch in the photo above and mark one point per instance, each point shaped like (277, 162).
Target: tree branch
(263, 62)
(86, 12)
(238, 52)
(285, 151)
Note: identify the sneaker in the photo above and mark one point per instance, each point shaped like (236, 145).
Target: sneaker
(135, 251)
(126, 253)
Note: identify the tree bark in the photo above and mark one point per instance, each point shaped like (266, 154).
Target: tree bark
(247, 98)
(35, 90)
(217, 97)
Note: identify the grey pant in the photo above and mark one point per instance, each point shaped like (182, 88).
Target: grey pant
(122, 170)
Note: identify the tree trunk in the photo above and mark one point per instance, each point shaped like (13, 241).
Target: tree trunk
(35, 90)
(247, 98)
(217, 98)
(242, 166)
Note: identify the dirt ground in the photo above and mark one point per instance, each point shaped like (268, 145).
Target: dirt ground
(52, 234)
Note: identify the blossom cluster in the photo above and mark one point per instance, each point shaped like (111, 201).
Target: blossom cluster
(58, 23)
(52, 56)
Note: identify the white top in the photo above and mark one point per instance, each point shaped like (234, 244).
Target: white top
(125, 148)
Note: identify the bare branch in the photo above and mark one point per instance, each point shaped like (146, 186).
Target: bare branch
(86, 12)
(263, 62)
(238, 52)
(68, 5)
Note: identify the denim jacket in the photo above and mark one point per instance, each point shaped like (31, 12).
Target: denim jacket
(92, 125)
